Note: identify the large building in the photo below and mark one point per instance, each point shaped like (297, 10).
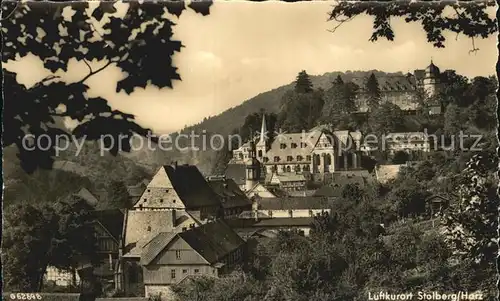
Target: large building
(313, 154)
(403, 90)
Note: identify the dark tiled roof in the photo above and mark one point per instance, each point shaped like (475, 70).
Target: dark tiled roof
(212, 241)
(236, 172)
(112, 220)
(240, 223)
(50, 296)
(191, 186)
(393, 83)
(230, 194)
(294, 203)
(155, 246)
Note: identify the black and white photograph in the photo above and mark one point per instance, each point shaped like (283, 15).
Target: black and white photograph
(249, 150)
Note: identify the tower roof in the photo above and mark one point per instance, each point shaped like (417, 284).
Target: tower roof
(432, 69)
(263, 130)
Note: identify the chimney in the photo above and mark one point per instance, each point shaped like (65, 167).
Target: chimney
(174, 218)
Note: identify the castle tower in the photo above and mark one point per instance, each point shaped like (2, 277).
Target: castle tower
(431, 80)
(262, 144)
(252, 169)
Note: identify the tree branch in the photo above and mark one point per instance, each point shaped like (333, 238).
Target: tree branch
(340, 23)
(12, 12)
(96, 71)
(88, 65)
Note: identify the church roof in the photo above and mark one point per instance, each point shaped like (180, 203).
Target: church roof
(308, 140)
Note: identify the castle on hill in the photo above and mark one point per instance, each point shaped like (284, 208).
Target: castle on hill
(403, 90)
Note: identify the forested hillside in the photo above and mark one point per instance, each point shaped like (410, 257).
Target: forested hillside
(270, 101)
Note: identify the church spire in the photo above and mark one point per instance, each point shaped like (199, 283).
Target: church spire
(263, 130)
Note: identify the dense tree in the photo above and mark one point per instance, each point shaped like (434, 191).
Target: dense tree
(35, 237)
(373, 95)
(46, 32)
(117, 195)
(470, 19)
(303, 83)
(339, 103)
(400, 157)
(472, 222)
(408, 197)
(386, 118)
(300, 111)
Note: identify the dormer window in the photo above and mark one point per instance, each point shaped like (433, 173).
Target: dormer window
(293, 145)
(282, 146)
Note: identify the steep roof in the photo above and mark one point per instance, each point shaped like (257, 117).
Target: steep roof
(187, 181)
(111, 220)
(230, 194)
(237, 172)
(305, 142)
(213, 241)
(142, 226)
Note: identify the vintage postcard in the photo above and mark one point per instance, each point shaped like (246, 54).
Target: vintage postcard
(248, 151)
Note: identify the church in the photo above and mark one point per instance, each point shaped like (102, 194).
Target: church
(309, 155)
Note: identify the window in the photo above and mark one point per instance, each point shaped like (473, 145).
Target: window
(184, 229)
(270, 213)
(297, 168)
(288, 169)
(260, 153)
(149, 229)
(184, 271)
(276, 159)
(177, 254)
(145, 199)
(161, 200)
(149, 190)
(282, 146)
(289, 158)
(311, 214)
(283, 168)
(294, 145)
(173, 201)
(308, 158)
(196, 271)
(266, 159)
(299, 158)
(290, 212)
(172, 274)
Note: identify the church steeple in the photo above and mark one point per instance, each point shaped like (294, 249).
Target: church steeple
(262, 144)
(263, 130)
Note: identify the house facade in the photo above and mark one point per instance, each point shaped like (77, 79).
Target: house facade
(169, 258)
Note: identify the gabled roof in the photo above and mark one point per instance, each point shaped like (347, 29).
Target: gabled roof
(187, 181)
(155, 246)
(237, 172)
(111, 220)
(213, 241)
(308, 141)
(229, 193)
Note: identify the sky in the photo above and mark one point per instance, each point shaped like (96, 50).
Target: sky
(242, 49)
